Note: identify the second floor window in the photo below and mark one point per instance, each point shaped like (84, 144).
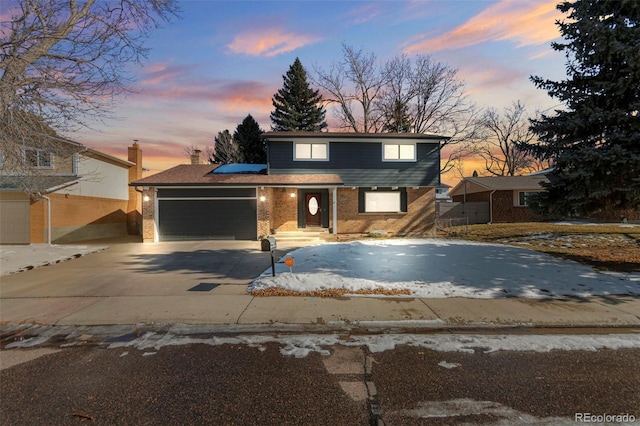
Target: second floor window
(38, 158)
(311, 151)
(398, 152)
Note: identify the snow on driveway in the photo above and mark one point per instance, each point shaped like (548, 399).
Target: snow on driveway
(436, 268)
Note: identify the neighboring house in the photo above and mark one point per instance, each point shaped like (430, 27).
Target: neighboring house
(80, 196)
(342, 182)
(504, 198)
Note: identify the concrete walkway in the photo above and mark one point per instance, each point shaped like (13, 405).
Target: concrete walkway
(124, 283)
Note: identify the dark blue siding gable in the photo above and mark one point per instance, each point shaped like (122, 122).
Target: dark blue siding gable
(359, 163)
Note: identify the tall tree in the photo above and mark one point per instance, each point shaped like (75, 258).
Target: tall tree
(248, 136)
(63, 63)
(506, 133)
(402, 95)
(225, 149)
(297, 105)
(595, 140)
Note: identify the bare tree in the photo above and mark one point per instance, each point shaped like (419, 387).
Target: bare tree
(63, 63)
(353, 85)
(225, 149)
(403, 95)
(505, 131)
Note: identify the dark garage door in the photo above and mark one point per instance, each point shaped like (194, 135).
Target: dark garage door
(184, 217)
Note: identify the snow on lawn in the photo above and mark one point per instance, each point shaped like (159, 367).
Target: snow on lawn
(435, 268)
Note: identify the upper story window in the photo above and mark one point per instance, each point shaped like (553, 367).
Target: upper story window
(398, 152)
(38, 158)
(311, 151)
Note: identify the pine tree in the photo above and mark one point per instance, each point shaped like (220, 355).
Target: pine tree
(225, 149)
(595, 141)
(248, 136)
(297, 106)
(398, 119)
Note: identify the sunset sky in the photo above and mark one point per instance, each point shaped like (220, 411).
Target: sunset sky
(223, 60)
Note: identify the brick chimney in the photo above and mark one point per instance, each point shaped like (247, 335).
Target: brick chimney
(195, 157)
(134, 206)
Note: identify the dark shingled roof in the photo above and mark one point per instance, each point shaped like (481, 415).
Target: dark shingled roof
(199, 174)
(38, 183)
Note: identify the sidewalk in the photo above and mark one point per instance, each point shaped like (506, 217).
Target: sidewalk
(171, 298)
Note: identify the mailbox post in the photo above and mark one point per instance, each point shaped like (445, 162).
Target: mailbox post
(272, 248)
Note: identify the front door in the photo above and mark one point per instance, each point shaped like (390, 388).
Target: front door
(313, 209)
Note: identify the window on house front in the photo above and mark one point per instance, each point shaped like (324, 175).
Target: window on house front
(382, 200)
(311, 151)
(38, 158)
(524, 198)
(398, 152)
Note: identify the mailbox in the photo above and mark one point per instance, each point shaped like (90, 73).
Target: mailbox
(269, 244)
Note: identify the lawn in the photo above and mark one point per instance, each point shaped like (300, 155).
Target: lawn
(611, 247)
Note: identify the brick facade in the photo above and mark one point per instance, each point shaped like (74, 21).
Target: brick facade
(503, 206)
(418, 220)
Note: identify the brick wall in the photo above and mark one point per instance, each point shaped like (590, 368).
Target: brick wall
(265, 212)
(505, 211)
(148, 215)
(419, 218)
(284, 209)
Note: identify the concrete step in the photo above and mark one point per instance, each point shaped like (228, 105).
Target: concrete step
(302, 235)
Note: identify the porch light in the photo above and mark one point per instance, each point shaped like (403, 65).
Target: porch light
(263, 198)
(146, 198)
(293, 195)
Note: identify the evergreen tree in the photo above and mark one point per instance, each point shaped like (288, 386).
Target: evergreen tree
(225, 149)
(297, 106)
(248, 136)
(398, 119)
(595, 141)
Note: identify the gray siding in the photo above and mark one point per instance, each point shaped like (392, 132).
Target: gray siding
(360, 164)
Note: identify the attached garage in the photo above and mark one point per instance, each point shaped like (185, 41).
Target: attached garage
(14, 221)
(207, 213)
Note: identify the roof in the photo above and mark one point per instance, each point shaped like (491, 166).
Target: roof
(99, 155)
(499, 183)
(200, 175)
(44, 184)
(353, 135)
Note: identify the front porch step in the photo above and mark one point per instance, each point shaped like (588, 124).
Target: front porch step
(302, 235)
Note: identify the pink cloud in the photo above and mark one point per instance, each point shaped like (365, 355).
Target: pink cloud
(160, 73)
(269, 43)
(529, 23)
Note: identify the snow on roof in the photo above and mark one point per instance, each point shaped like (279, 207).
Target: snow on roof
(241, 168)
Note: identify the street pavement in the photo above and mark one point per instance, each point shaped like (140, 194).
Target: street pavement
(122, 282)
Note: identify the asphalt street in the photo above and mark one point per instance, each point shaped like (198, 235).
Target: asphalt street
(242, 384)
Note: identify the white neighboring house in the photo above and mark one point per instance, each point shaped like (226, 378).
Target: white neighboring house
(80, 197)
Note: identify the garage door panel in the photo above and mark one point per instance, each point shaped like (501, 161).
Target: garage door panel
(14, 222)
(207, 219)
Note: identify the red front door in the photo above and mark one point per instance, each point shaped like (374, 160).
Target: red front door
(313, 209)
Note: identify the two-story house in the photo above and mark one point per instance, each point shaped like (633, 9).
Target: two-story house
(343, 182)
(73, 194)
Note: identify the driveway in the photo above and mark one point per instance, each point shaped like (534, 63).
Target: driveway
(133, 272)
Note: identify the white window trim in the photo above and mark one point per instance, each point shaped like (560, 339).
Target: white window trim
(397, 194)
(38, 152)
(295, 150)
(403, 160)
(516, 199)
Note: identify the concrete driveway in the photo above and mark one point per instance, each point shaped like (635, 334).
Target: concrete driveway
(128, 274)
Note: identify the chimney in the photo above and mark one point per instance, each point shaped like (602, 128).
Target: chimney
(134, 206)
(195, 157)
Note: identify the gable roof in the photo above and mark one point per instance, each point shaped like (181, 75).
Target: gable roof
(354, 137)
(499, 183)
(200, 174)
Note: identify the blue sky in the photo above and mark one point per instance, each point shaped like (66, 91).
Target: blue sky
(223, 60)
